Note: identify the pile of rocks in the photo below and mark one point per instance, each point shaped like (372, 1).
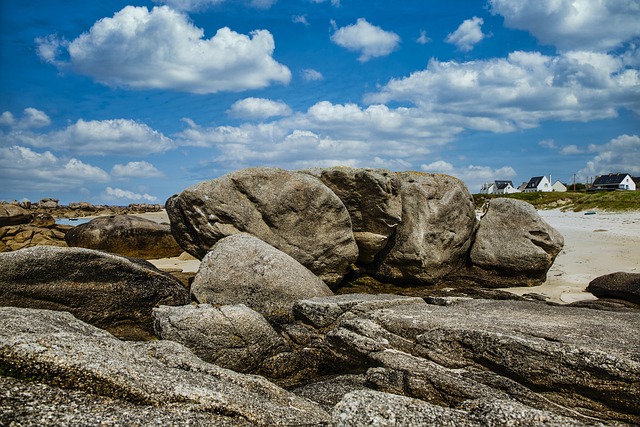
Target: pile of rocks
(21, 228)
(258, 338)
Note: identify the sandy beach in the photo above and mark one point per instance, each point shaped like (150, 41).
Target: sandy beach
(595, 245)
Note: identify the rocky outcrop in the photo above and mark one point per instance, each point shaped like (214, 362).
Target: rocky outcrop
(242, 269)
(233, 337)
(372, 198)
(432, 241)
(127, 235)
(291, 211)
(11, 214)
(625, 286)
(513, 246)
(110, 291)
(16, 237)
(56, 349)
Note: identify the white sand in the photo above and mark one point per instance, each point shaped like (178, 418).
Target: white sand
(594, 245)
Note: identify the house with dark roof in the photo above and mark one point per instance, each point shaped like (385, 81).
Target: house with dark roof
(538, 183)
(612, 182)
(498, 187)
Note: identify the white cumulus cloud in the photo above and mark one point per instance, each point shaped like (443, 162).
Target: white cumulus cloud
(118, 194)
(468, 34)
(136, 170)
(371, 41)
(32, 118)
(599, 25)
(162, 49)
(310, 75)
(620, 155)
(23, 169)
(258, 108)
(520, 91)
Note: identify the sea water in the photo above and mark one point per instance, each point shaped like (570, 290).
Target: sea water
(72, 221)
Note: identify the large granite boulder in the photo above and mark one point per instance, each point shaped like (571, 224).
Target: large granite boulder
(293, 212)
(513, 246)
(434, 236)
(625, 286)
(231, 336)
(372, 198)
(109, 291)
(242, 269)
(56, 349)
(127, 235)
(11, 214)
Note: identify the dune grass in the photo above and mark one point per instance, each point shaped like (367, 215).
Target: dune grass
(611, 201)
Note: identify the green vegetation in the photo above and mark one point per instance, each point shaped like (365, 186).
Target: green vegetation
(612, 201)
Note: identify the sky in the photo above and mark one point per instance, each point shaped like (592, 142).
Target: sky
(118, 102)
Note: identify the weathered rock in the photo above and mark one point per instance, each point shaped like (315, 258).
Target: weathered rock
(372, 408)
(620, 285)
(30, 404)
(574, 362)
(438, 222)
(43, 219)
(11, 214)
(242, 269)
(372, 198)
(514, 246)
(48, 203)
(57, 349)
(16, 237)
(321, 312)
(127, 235)
(106, 290)
(293, 212)
(233, 337)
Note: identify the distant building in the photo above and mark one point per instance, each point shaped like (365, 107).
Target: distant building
(538, 183)
(559, 187)
(612, 182)
(498, 187)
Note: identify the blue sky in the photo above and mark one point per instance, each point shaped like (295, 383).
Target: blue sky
(122, 102)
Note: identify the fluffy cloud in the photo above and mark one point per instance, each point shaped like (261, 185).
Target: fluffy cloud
(423, 39)
(31, 119)
(162, 49)
(259, 108)
(573, 24)
(136, 170)
(621, 154)
(196, 5)
(23, 170)
(97, 137)
(520, 91)
(300, 19)
(369, 40)
(117, 194)
(473, 176)
(468, 34)
(571, 149)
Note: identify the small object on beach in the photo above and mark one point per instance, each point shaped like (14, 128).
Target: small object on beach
(589, 213)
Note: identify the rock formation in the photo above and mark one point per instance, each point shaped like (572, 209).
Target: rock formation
(242, 269)
(625, 286)
(513, 245)
(106, 290)
(291, 211)
(127, 235)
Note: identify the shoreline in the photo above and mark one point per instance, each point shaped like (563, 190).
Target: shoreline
(595, 245)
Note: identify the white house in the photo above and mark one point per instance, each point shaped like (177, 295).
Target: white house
(538, 183)
(613, 181)
(559, 187)
(498, 187)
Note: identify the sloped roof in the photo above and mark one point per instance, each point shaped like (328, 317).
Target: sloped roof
(612, 178)
(534, 182)
(501, 185)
